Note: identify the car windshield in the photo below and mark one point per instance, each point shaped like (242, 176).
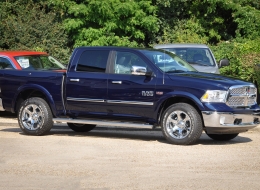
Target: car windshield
(198, 56)
(39, 62)
(168, 62)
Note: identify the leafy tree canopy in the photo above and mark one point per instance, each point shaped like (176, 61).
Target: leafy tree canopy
(26, 25)
(113, 22)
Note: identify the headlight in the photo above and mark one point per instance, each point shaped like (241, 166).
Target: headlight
(214, 96)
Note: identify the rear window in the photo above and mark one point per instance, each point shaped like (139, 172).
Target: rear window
(93, 61)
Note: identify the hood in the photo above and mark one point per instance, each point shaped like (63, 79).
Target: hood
(206, 80)
(206, 69)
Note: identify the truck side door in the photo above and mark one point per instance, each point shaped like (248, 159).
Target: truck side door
(86, 83)
(130, 94)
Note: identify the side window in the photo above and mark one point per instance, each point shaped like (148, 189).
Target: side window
(93, 61)
(5, 64)
(124, 62)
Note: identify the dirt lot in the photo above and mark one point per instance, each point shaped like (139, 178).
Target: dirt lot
(124, 158)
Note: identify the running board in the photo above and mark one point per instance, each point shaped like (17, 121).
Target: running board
(104, 123)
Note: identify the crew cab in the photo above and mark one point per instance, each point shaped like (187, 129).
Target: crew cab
(131, 87)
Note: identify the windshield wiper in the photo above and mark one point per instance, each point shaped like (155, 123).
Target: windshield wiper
(194, 63)
(175, 71)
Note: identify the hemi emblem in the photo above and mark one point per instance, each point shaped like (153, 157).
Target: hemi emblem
(159, 93)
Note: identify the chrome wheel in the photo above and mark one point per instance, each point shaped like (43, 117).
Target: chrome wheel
(32, 117)
(178, 124)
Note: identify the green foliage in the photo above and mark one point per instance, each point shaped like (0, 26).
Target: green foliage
(244, 57)
(186, 31)
(114, 22)
(26, 26)
(248, 22)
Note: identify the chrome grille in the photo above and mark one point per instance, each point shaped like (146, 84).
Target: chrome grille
(242, 96)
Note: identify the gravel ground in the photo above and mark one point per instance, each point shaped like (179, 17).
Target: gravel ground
(124, 158)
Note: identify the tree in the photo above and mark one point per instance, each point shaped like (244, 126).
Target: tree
(114, 22)
(26, 25)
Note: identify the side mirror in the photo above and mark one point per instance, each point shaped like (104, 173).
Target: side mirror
(223, 62)
(139, 70)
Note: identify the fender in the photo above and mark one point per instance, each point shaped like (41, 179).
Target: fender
(38, 88)
(176, 93)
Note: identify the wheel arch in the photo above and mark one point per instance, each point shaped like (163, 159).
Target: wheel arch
(181, 97)
(33, 90)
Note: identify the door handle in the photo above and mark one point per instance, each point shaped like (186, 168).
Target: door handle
(117, 82)
(74, 80)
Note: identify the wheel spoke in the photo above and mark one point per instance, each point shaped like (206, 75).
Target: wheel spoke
(28, 111)
(180, 134)
(35, 108)
(178, 113)
(171, 120)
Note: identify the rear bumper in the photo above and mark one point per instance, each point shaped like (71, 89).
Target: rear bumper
(228, 123)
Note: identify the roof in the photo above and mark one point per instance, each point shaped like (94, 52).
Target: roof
(180, 46)
(20, 53)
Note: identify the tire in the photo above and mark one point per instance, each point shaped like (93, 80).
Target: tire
(35, 117)
(81, 127)
(222, 137)
(181, 124)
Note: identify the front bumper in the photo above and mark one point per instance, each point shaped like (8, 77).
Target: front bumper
(229, 123)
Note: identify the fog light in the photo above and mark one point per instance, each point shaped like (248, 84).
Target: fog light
(256, 120)
(237, 121)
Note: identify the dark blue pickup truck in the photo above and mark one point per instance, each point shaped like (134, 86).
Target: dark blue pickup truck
(115, 86)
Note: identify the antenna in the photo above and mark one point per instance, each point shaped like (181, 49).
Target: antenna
(163, 64)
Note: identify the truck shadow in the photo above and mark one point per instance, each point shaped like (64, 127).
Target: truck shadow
(128, 133)
(139, 134)
(6, 114)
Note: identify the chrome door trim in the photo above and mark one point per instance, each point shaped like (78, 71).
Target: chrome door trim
(117, 82)
(110, 101)
(84, 99)
(74, 80)
(130, 102)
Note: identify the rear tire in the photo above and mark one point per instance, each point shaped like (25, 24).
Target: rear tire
(81, 127)
(35, 117)
(181, 124)
(222, 137)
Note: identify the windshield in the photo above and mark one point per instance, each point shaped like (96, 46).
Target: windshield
(167, 62)
(39, 62)
(198, 56)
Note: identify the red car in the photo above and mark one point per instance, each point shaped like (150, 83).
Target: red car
(29, 60)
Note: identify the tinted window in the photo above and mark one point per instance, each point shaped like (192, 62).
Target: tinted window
(5, 64)
(93, 61)
(125, 60)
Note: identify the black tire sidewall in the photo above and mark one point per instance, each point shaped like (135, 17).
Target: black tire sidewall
(47, 116)
(196, 122)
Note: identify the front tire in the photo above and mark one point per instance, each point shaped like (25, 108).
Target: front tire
(181, 124)
(35, 117)
(81, 127)
(222, 137)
